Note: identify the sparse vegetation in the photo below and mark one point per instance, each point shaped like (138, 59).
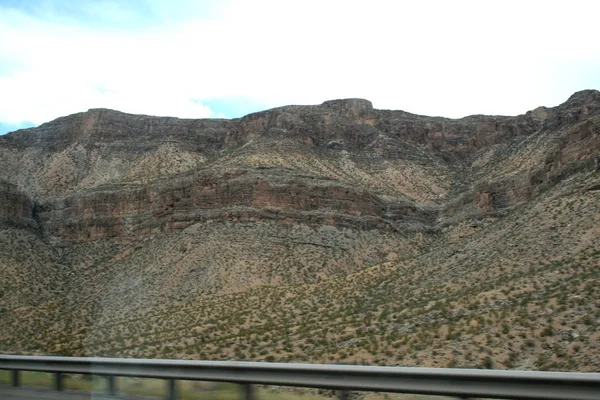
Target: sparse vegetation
(510, 281)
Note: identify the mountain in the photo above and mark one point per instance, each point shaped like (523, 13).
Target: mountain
(327, 233)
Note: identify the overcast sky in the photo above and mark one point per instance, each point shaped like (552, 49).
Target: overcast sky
(199, 59)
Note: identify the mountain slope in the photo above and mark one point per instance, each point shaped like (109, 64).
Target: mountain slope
(307, 233)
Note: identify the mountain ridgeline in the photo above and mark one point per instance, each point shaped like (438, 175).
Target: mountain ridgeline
(328, 233)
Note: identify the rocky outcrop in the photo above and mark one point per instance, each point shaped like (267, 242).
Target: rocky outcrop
(106, 174)
(16, 209)
(134, 212)
(567, 142)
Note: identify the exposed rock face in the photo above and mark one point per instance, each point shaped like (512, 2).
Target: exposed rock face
(16, 209)
(106, 174)
(136, 212)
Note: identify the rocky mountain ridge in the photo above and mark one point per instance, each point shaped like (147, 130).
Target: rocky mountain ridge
(83, 164)
(107, 216)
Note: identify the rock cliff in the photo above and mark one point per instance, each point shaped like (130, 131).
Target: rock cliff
(106, 174)
(16, 208)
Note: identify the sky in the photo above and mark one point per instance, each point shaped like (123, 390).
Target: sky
(227, 58)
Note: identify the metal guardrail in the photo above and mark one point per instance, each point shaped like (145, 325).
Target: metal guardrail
(462, 383)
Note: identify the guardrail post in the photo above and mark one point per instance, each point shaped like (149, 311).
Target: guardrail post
(340, 381)
(248, 392)
(58, 381)
(171, 389)
(112, 385)
(15, 378)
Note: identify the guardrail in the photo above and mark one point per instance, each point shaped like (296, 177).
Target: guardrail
(462, 383)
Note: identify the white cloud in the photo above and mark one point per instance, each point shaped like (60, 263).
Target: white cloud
(430, 57)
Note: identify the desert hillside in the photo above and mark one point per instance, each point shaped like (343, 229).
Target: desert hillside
(327, 233)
